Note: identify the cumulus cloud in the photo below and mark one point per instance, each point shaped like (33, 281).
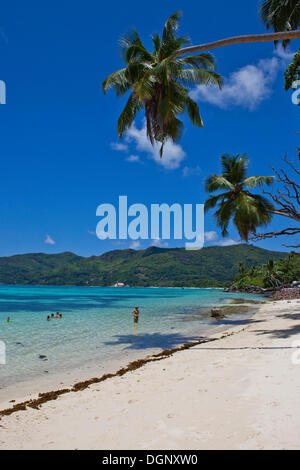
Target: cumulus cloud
(133, 158)
(120, 147)
(135, 245)
(49, 240)
(173, 153)
(189, 171)
(210, 236)
(228, 242)
(213, 237)
(284, 54)
(248, 86)
(159, 243)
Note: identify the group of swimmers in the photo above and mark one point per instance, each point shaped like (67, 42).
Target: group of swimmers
(58, 315)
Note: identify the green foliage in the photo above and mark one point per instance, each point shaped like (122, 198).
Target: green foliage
(158, 82)
(209, 267)
(247, 210)
(272, 273)
(280, 15)
(292, 73)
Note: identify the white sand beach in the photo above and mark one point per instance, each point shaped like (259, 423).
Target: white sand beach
(240, 392)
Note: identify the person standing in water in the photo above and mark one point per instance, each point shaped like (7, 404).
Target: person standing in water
(8, 319)
(136, 313)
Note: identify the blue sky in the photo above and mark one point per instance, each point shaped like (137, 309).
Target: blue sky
(60, 156)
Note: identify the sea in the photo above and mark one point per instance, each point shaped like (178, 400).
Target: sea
(96, 331)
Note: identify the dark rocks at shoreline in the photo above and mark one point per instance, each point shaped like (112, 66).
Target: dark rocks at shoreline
(217, 313)
(249, 290)
(285, 291)
(287, 294)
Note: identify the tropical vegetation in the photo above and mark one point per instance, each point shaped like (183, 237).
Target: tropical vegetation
(157, 82)
(212, 266)
(292, 73)
(280, 15)
(236, 202)
(271, 274)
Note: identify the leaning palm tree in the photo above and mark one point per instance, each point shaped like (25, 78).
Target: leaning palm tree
(280, 15)
(247, 210)
(272, 275)
(157, 83)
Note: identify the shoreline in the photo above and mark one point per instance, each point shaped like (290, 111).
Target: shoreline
(235, 309)
(239, 391)
(44, 397)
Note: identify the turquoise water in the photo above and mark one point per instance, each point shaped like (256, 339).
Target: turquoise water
(97, 325)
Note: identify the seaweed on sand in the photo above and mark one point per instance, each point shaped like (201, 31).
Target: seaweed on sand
(36, 403)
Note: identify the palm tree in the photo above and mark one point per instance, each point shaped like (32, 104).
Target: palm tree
(281, 15)
(157, 81)
(272, 274)
(292, 73)
(247, 210)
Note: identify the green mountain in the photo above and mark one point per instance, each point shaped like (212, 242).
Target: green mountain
(211, 266)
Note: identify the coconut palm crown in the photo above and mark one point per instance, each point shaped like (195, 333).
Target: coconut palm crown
(247, 210)
(158, 82)
(280, 15)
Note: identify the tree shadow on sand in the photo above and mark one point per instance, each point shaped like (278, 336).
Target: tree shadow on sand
(153, 340)
(168, 340)
(284, 332)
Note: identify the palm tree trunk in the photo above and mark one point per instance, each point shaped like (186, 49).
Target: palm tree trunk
(240, 40)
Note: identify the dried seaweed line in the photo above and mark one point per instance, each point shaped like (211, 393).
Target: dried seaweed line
(80, 386)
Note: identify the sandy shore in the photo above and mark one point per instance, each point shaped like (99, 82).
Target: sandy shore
(240, 392)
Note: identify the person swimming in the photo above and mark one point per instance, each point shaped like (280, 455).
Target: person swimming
(52, 315)
(136, 313)
(48, 318)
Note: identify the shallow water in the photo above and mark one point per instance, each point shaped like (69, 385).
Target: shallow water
(97, 325)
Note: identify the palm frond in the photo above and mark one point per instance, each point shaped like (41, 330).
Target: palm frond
(212, 201)
(217, 182)
(171, 26)
(117, 80)
(253, 181)
(128, 114)
(205, 61)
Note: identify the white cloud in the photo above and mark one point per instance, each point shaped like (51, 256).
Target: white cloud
(173, 153)
(211, 236)
(284, 54)
(227, 242)
(159, 243)
(189, 171)
(135, 245)
(133, 158)
(248, 86)
(49, 240)
(119, 146)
